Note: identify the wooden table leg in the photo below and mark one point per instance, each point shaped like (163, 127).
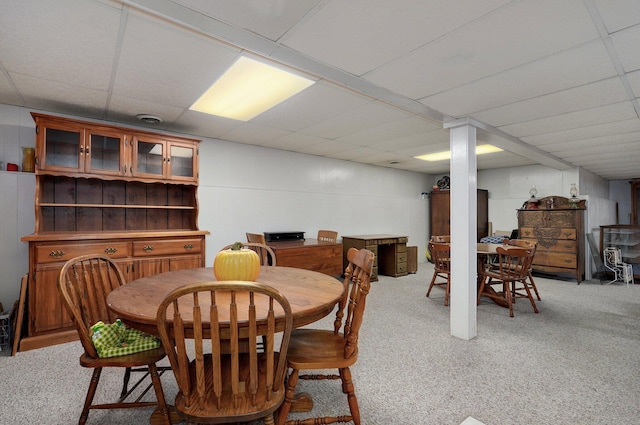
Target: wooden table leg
(487, 288)
(174, 415)
(302, 402)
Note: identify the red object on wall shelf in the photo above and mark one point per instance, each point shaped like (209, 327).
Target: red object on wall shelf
(12, 167)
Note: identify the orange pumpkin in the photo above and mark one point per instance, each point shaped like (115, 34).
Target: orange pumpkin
(236, 263)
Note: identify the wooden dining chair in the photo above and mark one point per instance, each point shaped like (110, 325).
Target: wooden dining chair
(441, 257)
(523, 243)
(84, 283)
(256, 238)
(513, 267)
(220, 383)
(266, 254)
(315, 349)
(327, 236)
(440, 238)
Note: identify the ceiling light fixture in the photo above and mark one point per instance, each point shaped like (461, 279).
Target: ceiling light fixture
(248, 88)
(149, 119)
(446, 155)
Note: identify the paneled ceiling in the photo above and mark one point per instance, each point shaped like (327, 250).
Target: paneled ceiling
(552, 82)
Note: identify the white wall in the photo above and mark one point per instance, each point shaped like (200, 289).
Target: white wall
(620, 191)
(242, 189)
(263, 189)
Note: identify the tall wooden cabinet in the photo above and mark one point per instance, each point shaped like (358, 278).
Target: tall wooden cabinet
(440, 213)
(558, 227)
(126, 193)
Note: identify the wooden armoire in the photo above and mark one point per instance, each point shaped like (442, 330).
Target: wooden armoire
(440, 213)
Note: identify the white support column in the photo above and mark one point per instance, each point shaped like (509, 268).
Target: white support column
(463, 218)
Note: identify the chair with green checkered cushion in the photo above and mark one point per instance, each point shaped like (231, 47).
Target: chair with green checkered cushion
(84, 283)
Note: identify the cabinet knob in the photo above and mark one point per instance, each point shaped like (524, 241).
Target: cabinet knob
(57, 253)
(188, 246)
(110, 250)
(147, 248)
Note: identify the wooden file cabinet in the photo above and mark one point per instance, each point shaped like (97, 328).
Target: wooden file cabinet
(390, 252)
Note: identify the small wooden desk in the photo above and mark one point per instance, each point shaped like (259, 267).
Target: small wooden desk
(390, 252)
(309, 254)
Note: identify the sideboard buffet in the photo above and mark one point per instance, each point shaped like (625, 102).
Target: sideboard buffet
(126, 193)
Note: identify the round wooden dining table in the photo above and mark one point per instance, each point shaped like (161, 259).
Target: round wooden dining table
(312, 295)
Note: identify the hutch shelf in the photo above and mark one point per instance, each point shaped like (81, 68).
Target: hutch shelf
(127, 193)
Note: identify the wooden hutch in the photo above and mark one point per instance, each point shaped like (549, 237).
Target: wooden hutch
(127, 193)
(440, 213)
(557, 224)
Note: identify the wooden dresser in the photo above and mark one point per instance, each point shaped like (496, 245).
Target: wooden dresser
(390, 252)
(558, 227)
(126, 193)
(440, 213)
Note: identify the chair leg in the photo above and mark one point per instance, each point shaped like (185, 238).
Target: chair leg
(163, 412)
(91, 392)
(433, 279)
(348, 389)
(292, 381)
(125, 383)
(447, 290)
(533, 285)
(507, 293)
(529, 295)
(268, 420)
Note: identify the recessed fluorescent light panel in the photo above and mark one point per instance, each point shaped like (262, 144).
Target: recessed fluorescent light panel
(249, 88)
(441, 156)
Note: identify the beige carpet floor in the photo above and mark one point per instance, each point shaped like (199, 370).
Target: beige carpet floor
(576, 362)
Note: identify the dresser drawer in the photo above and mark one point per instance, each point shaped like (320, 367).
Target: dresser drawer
(555, 259)
(64, 252)
(548, 233)
(401, 257)
(156, 247)
(570, 247)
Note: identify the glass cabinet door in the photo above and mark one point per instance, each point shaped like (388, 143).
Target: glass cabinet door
(182, 161)
(148, 158)
(61, 149)
(104, 153)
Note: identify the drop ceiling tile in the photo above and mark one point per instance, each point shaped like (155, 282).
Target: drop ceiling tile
(586, 117)
(592, 95)
(355, 154)
(591, 143)
(166, 64)
(618, 127)
(325, 147)
(203, 125)
(314, 104)
(294, 142)
(8, 93)
(634, 81)
(253, 134)
(268, 19)
(360, 35)
(126, 108)
(357, 119)
(570, 68)
(47, 95)
(626, 43)
(41, 33)
(392, 130)
(618, 14)
(513, 35)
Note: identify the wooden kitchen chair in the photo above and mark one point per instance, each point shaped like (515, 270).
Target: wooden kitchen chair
(266, 254)
(513, 268)
(523, 243)
(220, 383)
(256, 238)
(441, 257)
(84, 283)
(315, 349)
(327, 236)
